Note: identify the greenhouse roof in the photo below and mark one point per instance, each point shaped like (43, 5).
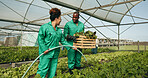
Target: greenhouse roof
(29, 15)
(108, 10)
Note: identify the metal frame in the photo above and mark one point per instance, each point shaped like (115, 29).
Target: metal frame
(30, 22)
(120, 25)
(80, 10)
(18, 29)
(129, 10)
(83, 11)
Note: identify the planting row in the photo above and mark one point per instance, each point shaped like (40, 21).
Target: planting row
(15, 54)
(111, 65)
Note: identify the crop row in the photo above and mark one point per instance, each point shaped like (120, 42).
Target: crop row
(15, 54)
(110, 65)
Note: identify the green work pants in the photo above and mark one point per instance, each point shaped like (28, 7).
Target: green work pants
(47, 65)
(74, 58)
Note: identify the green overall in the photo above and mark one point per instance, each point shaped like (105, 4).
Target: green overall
(49, 38)
(74, 57)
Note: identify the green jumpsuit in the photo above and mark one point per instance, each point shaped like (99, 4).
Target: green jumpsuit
(74, 57)
(49, 38)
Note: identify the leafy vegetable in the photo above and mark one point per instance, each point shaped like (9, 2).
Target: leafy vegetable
(88, 34)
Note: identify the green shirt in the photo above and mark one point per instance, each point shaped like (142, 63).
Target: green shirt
(71, 28)
(49, 38)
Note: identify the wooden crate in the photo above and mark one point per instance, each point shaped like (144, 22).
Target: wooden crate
(82, 42)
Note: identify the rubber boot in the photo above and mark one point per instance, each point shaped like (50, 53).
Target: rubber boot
(70, 71)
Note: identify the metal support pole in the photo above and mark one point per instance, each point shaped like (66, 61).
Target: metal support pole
(118, 35)
(21, 37)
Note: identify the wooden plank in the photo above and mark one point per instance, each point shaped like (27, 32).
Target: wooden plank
(86, 39)
(86, 42)
(87, 47)
(83, 45)
(82, 36)
(82, 42)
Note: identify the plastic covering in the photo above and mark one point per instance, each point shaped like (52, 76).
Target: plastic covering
(33, 12)
(17, 16)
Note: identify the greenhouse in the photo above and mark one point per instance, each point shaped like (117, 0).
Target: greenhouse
(119, 35)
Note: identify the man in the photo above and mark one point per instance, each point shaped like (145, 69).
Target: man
(71, 27)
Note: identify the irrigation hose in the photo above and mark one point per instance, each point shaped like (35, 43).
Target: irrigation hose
(49, 51)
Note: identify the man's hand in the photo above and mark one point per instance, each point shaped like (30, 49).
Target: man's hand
(45, 52)
(69, 37)
(75, 48)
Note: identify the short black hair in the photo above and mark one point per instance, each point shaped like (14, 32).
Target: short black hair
(77, 12)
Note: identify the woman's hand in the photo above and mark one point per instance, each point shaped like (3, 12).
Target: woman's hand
(75, 48)
(45, 52)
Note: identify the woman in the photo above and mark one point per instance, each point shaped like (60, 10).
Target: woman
(49, 36)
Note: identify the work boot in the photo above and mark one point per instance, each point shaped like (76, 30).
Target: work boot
(70, 71)
(78, 68)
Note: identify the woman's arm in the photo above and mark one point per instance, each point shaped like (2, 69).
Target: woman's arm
(41, 39)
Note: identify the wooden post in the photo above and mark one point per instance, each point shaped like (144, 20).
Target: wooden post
(102, 42)
(109, 44)
(13, 64)
(145, 48)
(138, 47)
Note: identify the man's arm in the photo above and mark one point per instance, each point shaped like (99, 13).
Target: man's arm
(66, 28)
(63, 42)
(66, 33)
